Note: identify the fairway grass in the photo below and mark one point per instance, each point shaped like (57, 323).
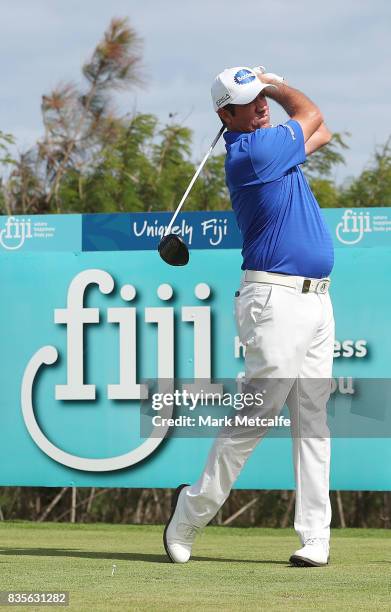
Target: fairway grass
(231, 569)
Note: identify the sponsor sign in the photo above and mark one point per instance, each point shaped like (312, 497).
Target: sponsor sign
(40, 233)
(87, 333)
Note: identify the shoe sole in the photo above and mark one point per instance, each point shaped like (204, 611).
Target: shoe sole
(297, 561)
(173, 508)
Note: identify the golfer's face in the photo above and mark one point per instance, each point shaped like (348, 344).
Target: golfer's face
(251, 116)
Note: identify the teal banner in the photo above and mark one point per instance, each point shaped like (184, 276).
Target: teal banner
(83, 330)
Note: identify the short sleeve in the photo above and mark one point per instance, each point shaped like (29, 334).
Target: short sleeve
(274, 151)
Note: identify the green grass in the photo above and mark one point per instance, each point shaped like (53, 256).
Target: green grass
(231, 569)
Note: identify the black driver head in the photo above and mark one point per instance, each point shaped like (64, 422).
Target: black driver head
(173, 250)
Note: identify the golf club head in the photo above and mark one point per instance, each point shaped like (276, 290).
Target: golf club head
(173, 250)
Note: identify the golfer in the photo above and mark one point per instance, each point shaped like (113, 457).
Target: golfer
(283, 309)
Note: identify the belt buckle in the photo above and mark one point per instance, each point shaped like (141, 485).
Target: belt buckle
(306, 285)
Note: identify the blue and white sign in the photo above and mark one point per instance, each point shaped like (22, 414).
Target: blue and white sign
(364, 227)
(143, 231)
(40, 233)
(84, 328)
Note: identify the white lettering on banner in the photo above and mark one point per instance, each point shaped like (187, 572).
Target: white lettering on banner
(164, 317)
(47, 355)
(156, 230)
(343, 384)
(214, 229)
(200, 317)
(127, 388)
(239, 348)
(350, 348)
(75, 316)
(15, 232)
(381, 223)
(342, 348)
(217, 227)
(356, 223)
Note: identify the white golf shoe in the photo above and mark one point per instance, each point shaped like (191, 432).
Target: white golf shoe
(314, 553)
(179, 534)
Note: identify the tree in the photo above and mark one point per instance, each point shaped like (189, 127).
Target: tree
(210, 192)
(92, 160)
(120, 177)
(6, 161)
(373, 186)
(78, 121)
(173, 168)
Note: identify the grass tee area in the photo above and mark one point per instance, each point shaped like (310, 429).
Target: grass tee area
(231, 569)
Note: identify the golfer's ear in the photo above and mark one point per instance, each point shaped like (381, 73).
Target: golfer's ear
(224, 114)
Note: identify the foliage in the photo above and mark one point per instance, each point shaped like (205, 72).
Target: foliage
(92, 160)
(6, 160)
(322, 162)
(326, 192)
(152, 506)
(373, 186)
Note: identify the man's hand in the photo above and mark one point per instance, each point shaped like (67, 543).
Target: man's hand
(268, 77)
(296, 104)
(298, 107)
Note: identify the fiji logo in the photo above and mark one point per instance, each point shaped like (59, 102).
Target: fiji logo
(244, 76)
(353, 226)
(14, 233)
(75, 316)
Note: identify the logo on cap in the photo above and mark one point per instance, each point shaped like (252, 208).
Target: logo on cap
(223, 99)
(244, 76)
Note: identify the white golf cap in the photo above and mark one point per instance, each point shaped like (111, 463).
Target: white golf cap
(238, 85)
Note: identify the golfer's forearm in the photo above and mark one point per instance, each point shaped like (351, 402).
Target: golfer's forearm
(293, 101)
(298, 106)
(321, 137)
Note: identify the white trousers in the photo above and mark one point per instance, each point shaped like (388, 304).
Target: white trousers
(289, 340)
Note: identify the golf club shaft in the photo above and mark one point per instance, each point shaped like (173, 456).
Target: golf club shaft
(193, 180)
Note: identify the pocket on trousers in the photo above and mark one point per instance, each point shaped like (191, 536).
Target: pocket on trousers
(250, 308)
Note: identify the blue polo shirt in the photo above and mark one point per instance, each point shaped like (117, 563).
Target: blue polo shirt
(280, 220)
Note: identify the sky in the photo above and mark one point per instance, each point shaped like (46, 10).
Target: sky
(337, 52)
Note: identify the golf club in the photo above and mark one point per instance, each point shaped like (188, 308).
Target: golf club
(172, 248)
